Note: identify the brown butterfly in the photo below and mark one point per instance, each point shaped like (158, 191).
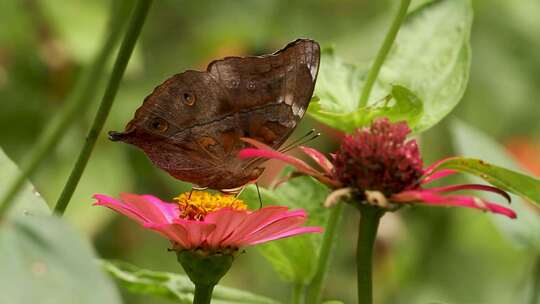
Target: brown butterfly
(191, 125)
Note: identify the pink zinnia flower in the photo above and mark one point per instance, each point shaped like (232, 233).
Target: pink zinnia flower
(210, 222)
(378, 165)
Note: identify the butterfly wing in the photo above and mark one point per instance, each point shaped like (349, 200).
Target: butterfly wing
(271, 93)
(191, 125)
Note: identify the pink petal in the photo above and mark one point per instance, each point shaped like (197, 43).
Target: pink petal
(120, 207)
(227, 220)
(273, 230)
(151, 208)
(296, 231)
(174, 232)
(471, 187)
(320, 159)
(169, 210)
(430, 172)
(439, 174)
(272, 154)
(256, 143)
(254, 221)
(197, 231)
(432, 198)
(433, 167)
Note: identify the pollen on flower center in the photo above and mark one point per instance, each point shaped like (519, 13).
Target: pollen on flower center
(200, 203)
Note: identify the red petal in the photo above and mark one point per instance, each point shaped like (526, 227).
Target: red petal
(272, 154)
(319, 158)
(256, 143)
(432, 198)
(471, 187)
(433, 167)
(439, 174)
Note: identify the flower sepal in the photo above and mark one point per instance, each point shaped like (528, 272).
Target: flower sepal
(203, 267)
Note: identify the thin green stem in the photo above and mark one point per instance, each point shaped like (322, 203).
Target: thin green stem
(535, 294)
(383, 52)
(126, 48)
(367, 232)
(203, 294)
(77, 104)
(297, 293)
(314, 290)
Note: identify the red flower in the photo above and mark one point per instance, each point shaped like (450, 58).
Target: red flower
(378, 165)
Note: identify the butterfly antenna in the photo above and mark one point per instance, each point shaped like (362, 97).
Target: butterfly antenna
(259, 194)
(311, 135)
(296, 141)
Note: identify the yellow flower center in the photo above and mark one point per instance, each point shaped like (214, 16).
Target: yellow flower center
(197, 205)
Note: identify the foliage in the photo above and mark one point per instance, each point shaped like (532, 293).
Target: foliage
(430, 59)
(173, 286)
(295, 258)
(472, 142)
(44, 255)
(422, 254)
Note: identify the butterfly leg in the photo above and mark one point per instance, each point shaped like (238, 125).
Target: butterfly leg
(193, 188)
(259, 194)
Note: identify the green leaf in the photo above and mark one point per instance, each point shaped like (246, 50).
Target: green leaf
(406, 106)
(426, 73)
(517, 183)
(43, 259)
(472, 142)
(432, 57)
(295, 258)
(338, 84)
(28, 201)
(401, 104)
(174, 286)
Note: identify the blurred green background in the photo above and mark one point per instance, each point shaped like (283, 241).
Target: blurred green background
(424, 255)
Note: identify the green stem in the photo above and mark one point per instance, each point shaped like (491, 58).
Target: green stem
(76, 105)
(367, 231)
(203, 294)
(535, 294)
(132, 33)
(315, 287)
(383, 52)
(297, 293)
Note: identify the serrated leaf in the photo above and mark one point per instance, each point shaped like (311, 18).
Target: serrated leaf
(430, 59)
(43, 259)
(294, 258)
(174, 286)
(525, 231)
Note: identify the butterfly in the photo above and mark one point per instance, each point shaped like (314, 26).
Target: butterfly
(192, 125)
